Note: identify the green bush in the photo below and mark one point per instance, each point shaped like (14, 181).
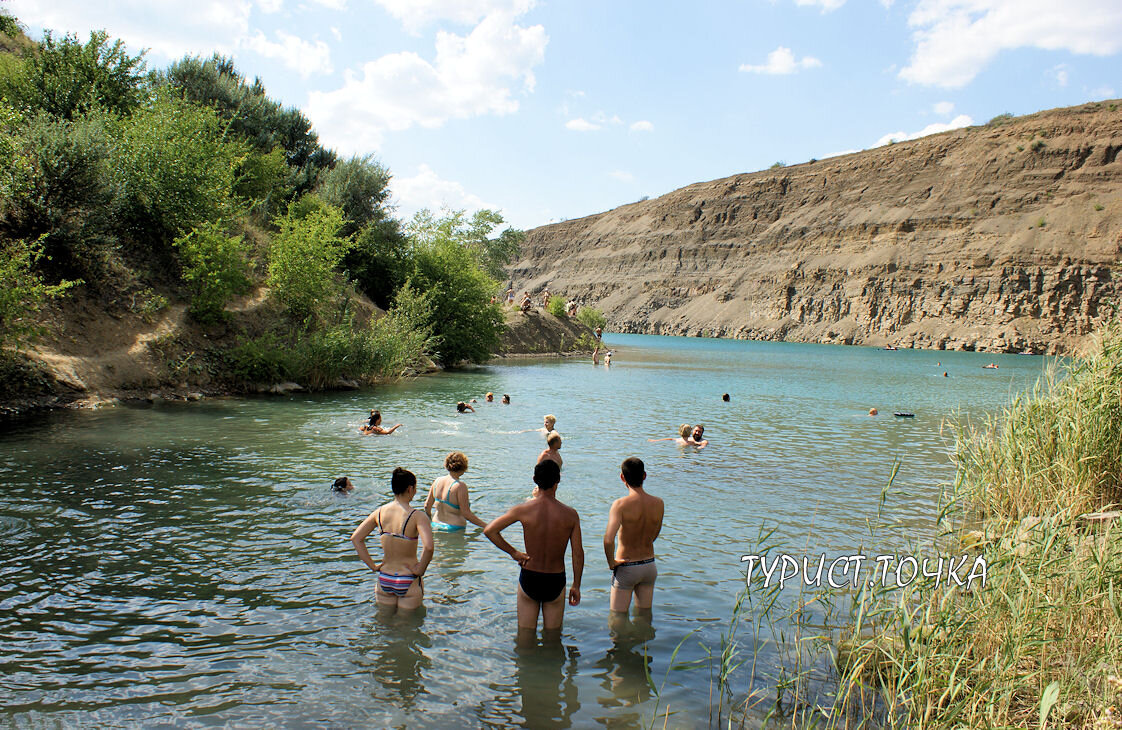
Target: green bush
(360, 187)
(591, 317)
(264, 359)
(1000, 119)
(556, 306)
(215, 267)
(303, 257)
(493, 253)
(380, 260)
(22, 292)
(262, 179)
(173, 169)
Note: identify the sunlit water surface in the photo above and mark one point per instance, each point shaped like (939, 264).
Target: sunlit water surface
(186, 564)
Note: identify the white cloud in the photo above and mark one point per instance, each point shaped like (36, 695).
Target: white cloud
(1059, 73)
(270, 6)
(1103, 92)
(960, 121)
(782, 61)
(943, 108)
(955, 39)
(336, 33)
(581, 125)
(297, 54)
(622, 176)
(642, 126)
(826, 5)
(415, 14)
(471, 76)
(426, 189)
(332, 4)
(169, 30)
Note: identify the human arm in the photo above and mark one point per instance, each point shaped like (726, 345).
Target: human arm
(424, 533)
(653, 440)
(464, 501)
(493, 532)
(358, 539)
(610, 536)
(388, 431)
(431, 499)
(577, 547)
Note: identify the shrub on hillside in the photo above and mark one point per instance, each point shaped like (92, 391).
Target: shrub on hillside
(556, 306)
(215, 267)
(22, 292)
(380, 260)
(303, 257)
(591, 317)
(360, 187)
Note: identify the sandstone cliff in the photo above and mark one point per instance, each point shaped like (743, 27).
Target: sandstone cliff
(1003, 237)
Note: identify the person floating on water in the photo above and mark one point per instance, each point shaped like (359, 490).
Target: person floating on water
(342, 486)
(697, 438)
(637, 519)
(400, 527)
(374, 426)
(548, 527)
(464, 407)
(683, 439)
(553, 452)
(991, 366)
(449, 495)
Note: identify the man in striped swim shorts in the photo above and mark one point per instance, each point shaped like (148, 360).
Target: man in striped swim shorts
(637, 520)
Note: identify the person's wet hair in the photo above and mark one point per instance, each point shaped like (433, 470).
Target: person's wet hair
(456, 461)
(725, 397)
(553, 439)
(633, 471)
(461, 406)
(685, 430)
(506, 398)
(401, 480)
(340, 485)
(547, 474)
(375, 418)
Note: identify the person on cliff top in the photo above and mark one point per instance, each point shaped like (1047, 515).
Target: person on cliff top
(449, 496)
(637, 520)
(545, 298)
(549, 527)
(374, 427)
(683, 439)
(510, 296)
(526, 303)
(697, 438)
(553, 450)
(464, 407)
(400, 527)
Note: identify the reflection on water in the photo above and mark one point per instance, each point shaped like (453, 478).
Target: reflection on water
(188, 565)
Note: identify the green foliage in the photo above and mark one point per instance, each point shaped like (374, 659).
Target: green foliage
(303, 256)
(380, 261)
(1098, 206)
(474, 234)
(1040, 223)
(215, 267)
(262, 180)
(360, 187)
(66, 78)
(777, 165)
(556, 306)
(9, 26)
(173, 169)
(22, 291)
(591, 317)
(1037, 145)
(1000, 119)
(15, 167)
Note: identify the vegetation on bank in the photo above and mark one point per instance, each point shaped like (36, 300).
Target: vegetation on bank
(190, 184)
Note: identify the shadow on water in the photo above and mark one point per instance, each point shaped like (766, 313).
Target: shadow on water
(625, 669)
(393, 649)
(545, 674)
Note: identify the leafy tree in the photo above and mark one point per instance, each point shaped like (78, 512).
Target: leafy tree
(360, 186)
(67, 78)
(22, 291)
(216, 268)
(591, 317)
(303, 257)
(380, 261)
(474, 233)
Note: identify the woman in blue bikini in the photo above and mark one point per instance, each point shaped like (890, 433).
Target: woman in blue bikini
(400, 526)
(449, 495)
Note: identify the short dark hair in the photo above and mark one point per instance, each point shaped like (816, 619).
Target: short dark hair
(340, 485)
(633, 471)
(401, 480)
(547, 474)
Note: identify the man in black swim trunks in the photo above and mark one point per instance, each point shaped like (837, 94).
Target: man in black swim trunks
(548, 526)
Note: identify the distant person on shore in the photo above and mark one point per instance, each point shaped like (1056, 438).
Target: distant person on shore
(464, 407)
(683, 439)
(697, 438)
(490, 397)
(506, 399)
(726, 398)
(374, 426)
(526, 302)
(545, 298)
(449, 495)
(553, 450)
(872, 411)
(637, 520)
(400, 527)
(342, 486)
(548, 527)
(510, 296)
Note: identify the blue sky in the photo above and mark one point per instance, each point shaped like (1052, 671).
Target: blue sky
(550, 110)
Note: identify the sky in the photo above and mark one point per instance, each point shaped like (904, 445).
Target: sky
(550, 110)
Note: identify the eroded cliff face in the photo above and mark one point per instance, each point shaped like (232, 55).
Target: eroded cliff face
(1001, 238)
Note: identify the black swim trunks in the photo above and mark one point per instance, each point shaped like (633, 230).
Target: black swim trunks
(541, 587)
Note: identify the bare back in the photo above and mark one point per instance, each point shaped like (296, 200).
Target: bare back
(640, 521)
(547, 526)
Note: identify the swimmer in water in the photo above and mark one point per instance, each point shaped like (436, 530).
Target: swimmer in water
(464, 407)
(400, 527)
(697, 438)
(506, 399)
(548, 528)
(374, 427)
(342, 486)
(683, 439)
(490, 397)
(725, 398)
(991, 366)
(553, 452)
(449, 496)
(549, 422)
(608, 359)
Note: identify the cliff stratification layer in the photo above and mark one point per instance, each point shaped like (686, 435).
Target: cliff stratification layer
(1003, 238)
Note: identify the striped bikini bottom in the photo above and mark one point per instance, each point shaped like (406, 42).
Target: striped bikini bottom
(394, 584)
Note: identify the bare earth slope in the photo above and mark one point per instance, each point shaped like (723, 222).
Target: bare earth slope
(1000, 238)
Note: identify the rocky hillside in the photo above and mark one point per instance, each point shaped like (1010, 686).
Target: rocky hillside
(1003, 237)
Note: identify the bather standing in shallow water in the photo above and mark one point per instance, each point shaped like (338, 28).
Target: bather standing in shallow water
(401, 526)
(449, 496)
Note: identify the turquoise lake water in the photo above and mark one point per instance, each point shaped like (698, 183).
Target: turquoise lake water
(185, 564)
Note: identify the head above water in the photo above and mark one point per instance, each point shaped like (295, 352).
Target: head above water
(725, 398)
(872, 411)
(506, 398)
(375, 417)
(547, 474)
(342, 485)
(554, 440)
(685, 430)
(402, 480)
(456, 462)
(633, 471)
(550, 421)
(490, 397)
(461, 406)
(698, 432)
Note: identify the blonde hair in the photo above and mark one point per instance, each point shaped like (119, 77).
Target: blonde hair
(457, 461)
(551, 418)
(685, 430)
